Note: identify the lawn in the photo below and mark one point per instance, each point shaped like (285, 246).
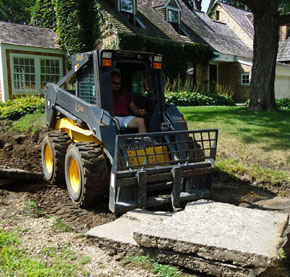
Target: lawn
(252, 143)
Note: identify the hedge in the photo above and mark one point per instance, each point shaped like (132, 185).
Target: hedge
(197, 99)
(14, 109)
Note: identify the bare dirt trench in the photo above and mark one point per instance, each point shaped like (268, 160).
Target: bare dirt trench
(23, 152)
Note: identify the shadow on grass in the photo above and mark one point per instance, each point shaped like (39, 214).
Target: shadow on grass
(250, 126)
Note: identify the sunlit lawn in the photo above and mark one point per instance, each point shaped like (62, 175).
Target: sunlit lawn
(251, 139)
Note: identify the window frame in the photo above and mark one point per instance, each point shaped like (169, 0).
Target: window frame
(134, 7)
(248, 75)
(37, 74)
(168, 9)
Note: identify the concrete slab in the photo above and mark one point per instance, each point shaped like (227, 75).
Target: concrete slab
(216, 238)
(220, 232)
(121, 230)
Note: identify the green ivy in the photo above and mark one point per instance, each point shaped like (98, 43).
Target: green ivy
(73, 20)
(176, 54)
(43, 14)
(187, 98)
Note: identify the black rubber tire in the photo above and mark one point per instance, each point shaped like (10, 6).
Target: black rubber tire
(58, 143)
(92, 173)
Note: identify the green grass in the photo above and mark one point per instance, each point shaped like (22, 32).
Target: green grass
(150, 265)
(29, 123)
(51, 261)
(251, 144)
(272, 128)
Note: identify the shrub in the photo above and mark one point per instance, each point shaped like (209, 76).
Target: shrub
(283, 104)
(186, 98)
(14, 109)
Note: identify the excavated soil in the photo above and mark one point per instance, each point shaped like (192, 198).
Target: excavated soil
(22, 151)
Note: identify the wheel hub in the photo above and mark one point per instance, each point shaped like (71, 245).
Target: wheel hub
(48, 159)
(74, 175)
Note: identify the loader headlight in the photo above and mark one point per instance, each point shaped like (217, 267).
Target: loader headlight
(157, 62)
(106, 59)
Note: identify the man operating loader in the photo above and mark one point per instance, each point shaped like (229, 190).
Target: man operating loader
(123, 103)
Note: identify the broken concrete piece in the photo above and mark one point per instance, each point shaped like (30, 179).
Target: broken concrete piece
(121, 230)
(220, 232)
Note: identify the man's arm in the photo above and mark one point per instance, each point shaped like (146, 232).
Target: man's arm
(136, 110)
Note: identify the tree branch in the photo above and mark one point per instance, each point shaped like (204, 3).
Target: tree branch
(284, 19)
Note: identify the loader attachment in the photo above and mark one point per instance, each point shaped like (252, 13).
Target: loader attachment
(153, 169)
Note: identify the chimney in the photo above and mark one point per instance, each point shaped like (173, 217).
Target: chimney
(284, 32)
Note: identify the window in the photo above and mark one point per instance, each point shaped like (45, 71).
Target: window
(50, 72)
(217, 15)
(245, 79)
(24, 74)
(173, 17)
(127, 6)
(30, 74)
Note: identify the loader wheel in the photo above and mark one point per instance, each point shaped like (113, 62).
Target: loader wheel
(53, 150)
(85, 173)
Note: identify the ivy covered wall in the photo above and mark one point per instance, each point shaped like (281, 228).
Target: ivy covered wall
(83, 25)
(73, 20)
(176, 55)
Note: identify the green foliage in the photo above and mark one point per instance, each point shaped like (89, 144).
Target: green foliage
(29, 123)
(74, 22)
(283, 104)
(176, 55)
(60, 227)
(43, 14)
(14, 109)
(52, 261)
(7, 238)
(165, 270)
(186, 98)
(17, 11)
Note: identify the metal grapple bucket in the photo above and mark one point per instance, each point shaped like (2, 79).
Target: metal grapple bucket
(157, 168)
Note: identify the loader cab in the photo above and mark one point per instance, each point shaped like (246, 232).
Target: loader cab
(140, 78)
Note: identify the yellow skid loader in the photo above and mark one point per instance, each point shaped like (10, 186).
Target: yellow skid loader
(96, 158)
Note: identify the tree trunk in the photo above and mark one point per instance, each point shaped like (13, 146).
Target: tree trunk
(266, 41)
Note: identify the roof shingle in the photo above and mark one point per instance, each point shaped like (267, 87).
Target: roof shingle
(26, 35)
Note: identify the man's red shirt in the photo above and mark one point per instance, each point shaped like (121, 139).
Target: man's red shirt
(121, 106)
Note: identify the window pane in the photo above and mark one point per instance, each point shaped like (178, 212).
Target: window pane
(24, 74)
(172, 16)
(126, 6)
(49, 72)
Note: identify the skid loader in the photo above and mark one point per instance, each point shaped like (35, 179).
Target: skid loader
(89, 152)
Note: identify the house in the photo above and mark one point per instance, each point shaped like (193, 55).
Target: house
(241, 23)
(29, 58)
(176, 20)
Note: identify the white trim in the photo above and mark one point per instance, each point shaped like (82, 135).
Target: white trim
(138, 20)
(223, 57)
(2, 77)
(166, 4)
(246, 74)
(244, 61)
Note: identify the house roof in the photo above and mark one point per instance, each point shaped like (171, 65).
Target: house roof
(197, 25)
(242, 17)
(218, 35)
(26, 35)
(156, 27)
(284, 51)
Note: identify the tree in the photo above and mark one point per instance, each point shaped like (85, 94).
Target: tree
(17, 11)
(267, 19)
